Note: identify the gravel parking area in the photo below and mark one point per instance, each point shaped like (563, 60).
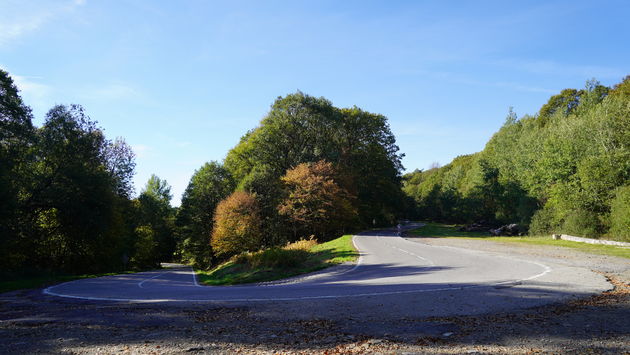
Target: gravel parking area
(33, 323)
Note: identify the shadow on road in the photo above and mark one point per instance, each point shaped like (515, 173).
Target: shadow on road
(30, 322)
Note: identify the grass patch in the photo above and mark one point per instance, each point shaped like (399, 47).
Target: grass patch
(434, 230)
(437, 230)
(279, 263)
(46, 279)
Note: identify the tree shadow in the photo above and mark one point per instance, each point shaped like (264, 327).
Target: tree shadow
(474, 313)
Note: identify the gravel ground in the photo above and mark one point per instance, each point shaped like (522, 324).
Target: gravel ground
(33, 323)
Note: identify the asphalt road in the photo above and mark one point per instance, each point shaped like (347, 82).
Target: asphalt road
(433, 280)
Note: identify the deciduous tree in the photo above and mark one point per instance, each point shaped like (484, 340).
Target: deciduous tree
(237, 225)
(315, 203)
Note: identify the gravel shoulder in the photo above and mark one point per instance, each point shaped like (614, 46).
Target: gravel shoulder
(33, 323)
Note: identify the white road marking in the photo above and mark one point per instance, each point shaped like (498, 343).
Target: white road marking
(406, 251)
(546, 268)
(360, 260)
(150, 278)
(386, 293)
(194, 276)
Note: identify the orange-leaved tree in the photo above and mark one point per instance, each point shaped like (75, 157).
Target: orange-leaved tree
(314, 202)
(236, 225)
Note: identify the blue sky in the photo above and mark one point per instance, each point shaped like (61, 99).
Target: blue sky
(181, 81)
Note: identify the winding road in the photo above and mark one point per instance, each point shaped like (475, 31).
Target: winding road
(390, 268)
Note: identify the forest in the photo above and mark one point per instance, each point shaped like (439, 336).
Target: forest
(309, 170)
(565, 169)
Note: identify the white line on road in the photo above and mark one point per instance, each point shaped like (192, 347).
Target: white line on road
(194, 276)
(406, 252)
(546, 268)
(150, 278)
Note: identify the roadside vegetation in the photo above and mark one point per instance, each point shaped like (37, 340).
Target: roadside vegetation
(565, 169)
(440, 230)
(67, 199)
(308, 170)
(276, 263)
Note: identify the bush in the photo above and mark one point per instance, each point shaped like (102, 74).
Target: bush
(581, 223)
(302, 244)
(543, 222)
(236, 225)
(620, 215)
(289, 256)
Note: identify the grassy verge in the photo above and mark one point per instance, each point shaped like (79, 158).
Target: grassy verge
(45, 280)
(437, 230)
(279, 263)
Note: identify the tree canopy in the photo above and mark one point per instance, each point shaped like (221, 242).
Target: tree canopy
(303, 129)
(208, 186)
(314, 202)
(563, 170)
(287, 164)
(236, 225)
(66, 194)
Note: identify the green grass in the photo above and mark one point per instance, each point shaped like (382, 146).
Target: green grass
(280, 263)
(434, 230)
(437, 230)
(45, 280)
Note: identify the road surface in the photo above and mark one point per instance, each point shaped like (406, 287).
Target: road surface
(403, 273)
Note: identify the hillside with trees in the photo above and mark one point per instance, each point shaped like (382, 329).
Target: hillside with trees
(565, 169)
(309, 170)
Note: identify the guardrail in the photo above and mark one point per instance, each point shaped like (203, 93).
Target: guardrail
(589, 240)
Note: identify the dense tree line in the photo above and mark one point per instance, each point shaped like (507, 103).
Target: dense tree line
(565, 169)
(309, 169)
(66, 195)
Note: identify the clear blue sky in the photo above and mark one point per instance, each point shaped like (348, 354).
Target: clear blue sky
(181, 81)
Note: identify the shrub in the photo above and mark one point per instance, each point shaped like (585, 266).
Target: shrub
(302, 244)
(291, 255)
(236, 225)
(543, 222)
(620, 215)
(581, 223)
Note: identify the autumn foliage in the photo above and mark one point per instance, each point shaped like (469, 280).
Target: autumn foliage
(314, 203)
(236, 225)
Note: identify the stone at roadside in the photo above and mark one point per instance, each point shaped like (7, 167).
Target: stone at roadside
(509, 230)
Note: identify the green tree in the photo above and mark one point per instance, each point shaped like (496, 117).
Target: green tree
(564, 103)
(370, 166)
(559, 170)
(208, 186)
(145, 248)
(620, 214)
(120, 163)
(156, 214)
(300, 129)
(622, 89)
(267, 188)
(17, 138)
(74, 196)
